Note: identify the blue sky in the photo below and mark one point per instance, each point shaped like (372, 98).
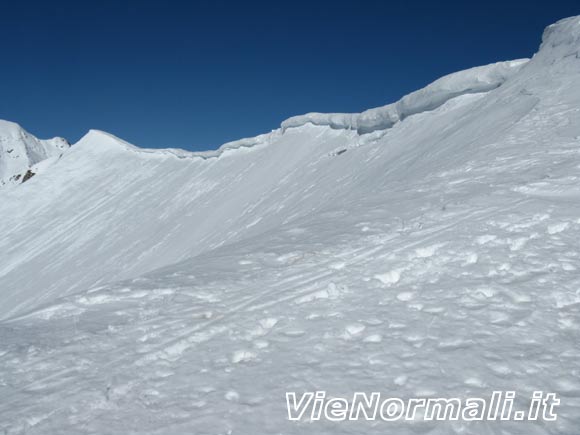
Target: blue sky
(197, 74)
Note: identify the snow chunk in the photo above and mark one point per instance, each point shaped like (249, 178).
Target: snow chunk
(374, 338)
(243, 355)
(390, 277)
(558, 228)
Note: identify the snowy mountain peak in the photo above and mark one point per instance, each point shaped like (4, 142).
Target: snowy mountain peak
(99, 140)
(564, 32)
(22, 155)
(9, 127)
(561, 43)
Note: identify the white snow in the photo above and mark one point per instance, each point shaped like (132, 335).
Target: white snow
(160, 291)
(21, 151)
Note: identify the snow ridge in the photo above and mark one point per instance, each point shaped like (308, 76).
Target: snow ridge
(97, 141)
(470, 81)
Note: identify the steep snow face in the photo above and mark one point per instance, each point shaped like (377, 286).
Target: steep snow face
(149, 291)
(116, 211)
(20, 152)
(474, 80)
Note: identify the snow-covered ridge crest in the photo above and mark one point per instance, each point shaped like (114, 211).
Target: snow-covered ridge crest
(560, 41)
(22, 154)
(470, 81)
(434, 95)
(563, 32)
(97, 141)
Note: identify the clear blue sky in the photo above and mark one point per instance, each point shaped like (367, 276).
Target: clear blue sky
(195, 74)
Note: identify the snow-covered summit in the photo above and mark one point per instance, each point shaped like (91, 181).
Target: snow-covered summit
(565, 34)
(98, 141)
(21, 152)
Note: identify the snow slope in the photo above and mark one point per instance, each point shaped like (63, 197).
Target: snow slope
(165, 292)
(20, 152)
(269, 180)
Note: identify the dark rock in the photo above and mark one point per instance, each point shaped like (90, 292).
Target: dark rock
(29, 174)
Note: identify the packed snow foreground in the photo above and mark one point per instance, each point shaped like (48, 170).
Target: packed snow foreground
(425, 249)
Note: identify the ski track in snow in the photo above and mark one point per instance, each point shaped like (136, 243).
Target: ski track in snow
(286, 316)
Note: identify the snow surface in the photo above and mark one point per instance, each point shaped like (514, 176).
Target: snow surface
(21, 151)
(166, 292)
